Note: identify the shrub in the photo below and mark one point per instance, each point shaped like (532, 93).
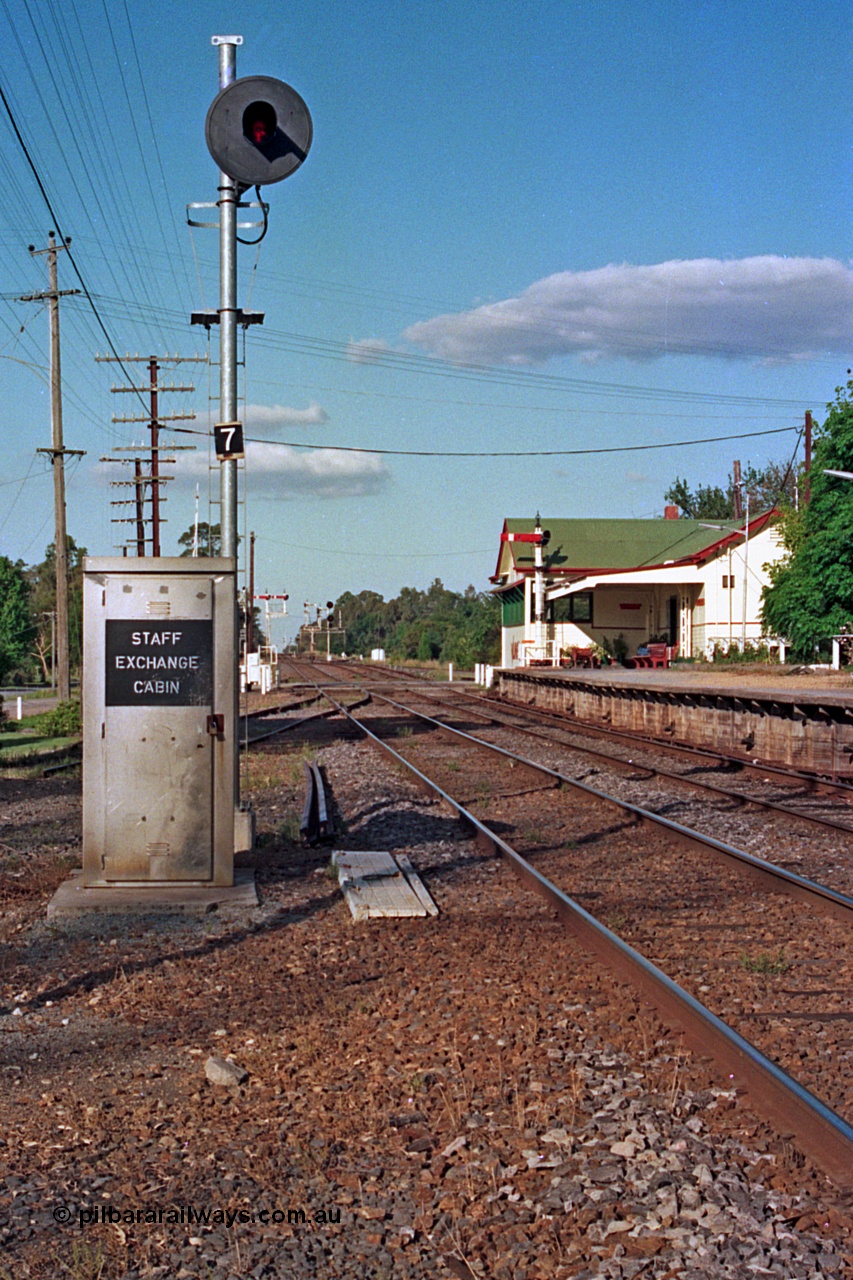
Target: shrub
(64, 721)
(753, 651)
(617, 648)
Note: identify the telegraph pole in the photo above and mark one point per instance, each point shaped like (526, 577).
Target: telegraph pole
(153, 369)
(154, 420)
(57, 453)
(737, 491)
(139, 499)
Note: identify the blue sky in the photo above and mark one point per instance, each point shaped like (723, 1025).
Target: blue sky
(521, 228)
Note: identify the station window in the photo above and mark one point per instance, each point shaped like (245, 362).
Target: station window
(512, 607)
(576, 608)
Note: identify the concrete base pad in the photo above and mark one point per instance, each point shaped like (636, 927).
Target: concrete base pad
(74, 900)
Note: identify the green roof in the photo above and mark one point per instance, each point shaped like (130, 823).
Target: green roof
(583, 545)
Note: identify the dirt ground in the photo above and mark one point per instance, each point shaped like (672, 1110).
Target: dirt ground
(467, 1096)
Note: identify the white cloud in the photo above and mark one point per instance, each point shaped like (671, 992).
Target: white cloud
(271, 417)
(275, 472)
(768, 308)
(280, 471)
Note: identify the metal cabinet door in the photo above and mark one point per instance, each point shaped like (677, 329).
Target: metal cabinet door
(158, 752)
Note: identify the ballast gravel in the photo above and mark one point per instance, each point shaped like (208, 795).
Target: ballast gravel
(467, 1096)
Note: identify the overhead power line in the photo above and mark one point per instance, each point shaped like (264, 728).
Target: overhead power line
(506, 453)
(380, 555)
(65, 239)
(386, 358)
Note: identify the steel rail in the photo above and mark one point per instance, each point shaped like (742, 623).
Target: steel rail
(316, 823)
(295, 724)
(260, 712)
(335, 682)
(819, 1131)
(60, 768)
(697, 784)
(703, 754)
(777, 878)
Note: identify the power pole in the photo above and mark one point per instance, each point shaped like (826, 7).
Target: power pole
(57, 454)
(737, 491)
(154, 421)
(807, 484)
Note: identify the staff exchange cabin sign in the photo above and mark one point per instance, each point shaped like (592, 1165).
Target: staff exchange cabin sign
(169, 666)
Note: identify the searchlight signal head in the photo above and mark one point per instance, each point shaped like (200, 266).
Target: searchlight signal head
(258, 130)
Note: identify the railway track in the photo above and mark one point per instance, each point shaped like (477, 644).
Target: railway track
(757, 979)
(755, 806)
(634, 763)
(583, 1139)
(830, 803)
(813, 783)
(271, 722)
(754, 816)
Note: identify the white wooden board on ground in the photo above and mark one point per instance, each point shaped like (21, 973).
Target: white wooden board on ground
(375, 884)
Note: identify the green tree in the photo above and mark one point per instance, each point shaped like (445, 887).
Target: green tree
(772, 486)
(209, 539)
(776, 485)
(259, 636)
(364, 618)
(15, 621)
(436, 624)
(42, 583)
(810, 594)
(708, 502)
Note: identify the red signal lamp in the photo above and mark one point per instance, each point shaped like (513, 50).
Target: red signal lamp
(259, 123)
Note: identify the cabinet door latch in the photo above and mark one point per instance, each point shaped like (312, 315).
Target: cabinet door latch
(216, 726)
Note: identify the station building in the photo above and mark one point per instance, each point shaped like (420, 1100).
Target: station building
(622, 584)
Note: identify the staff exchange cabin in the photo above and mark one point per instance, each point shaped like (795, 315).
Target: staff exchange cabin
(620, 585)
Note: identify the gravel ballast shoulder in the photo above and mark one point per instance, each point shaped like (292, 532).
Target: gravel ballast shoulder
(466, 1096)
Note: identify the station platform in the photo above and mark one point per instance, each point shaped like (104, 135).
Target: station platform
(796, 719)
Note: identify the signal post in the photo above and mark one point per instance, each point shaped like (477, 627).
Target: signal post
(161, 812)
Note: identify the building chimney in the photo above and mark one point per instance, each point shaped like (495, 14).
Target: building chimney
(670, 513)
